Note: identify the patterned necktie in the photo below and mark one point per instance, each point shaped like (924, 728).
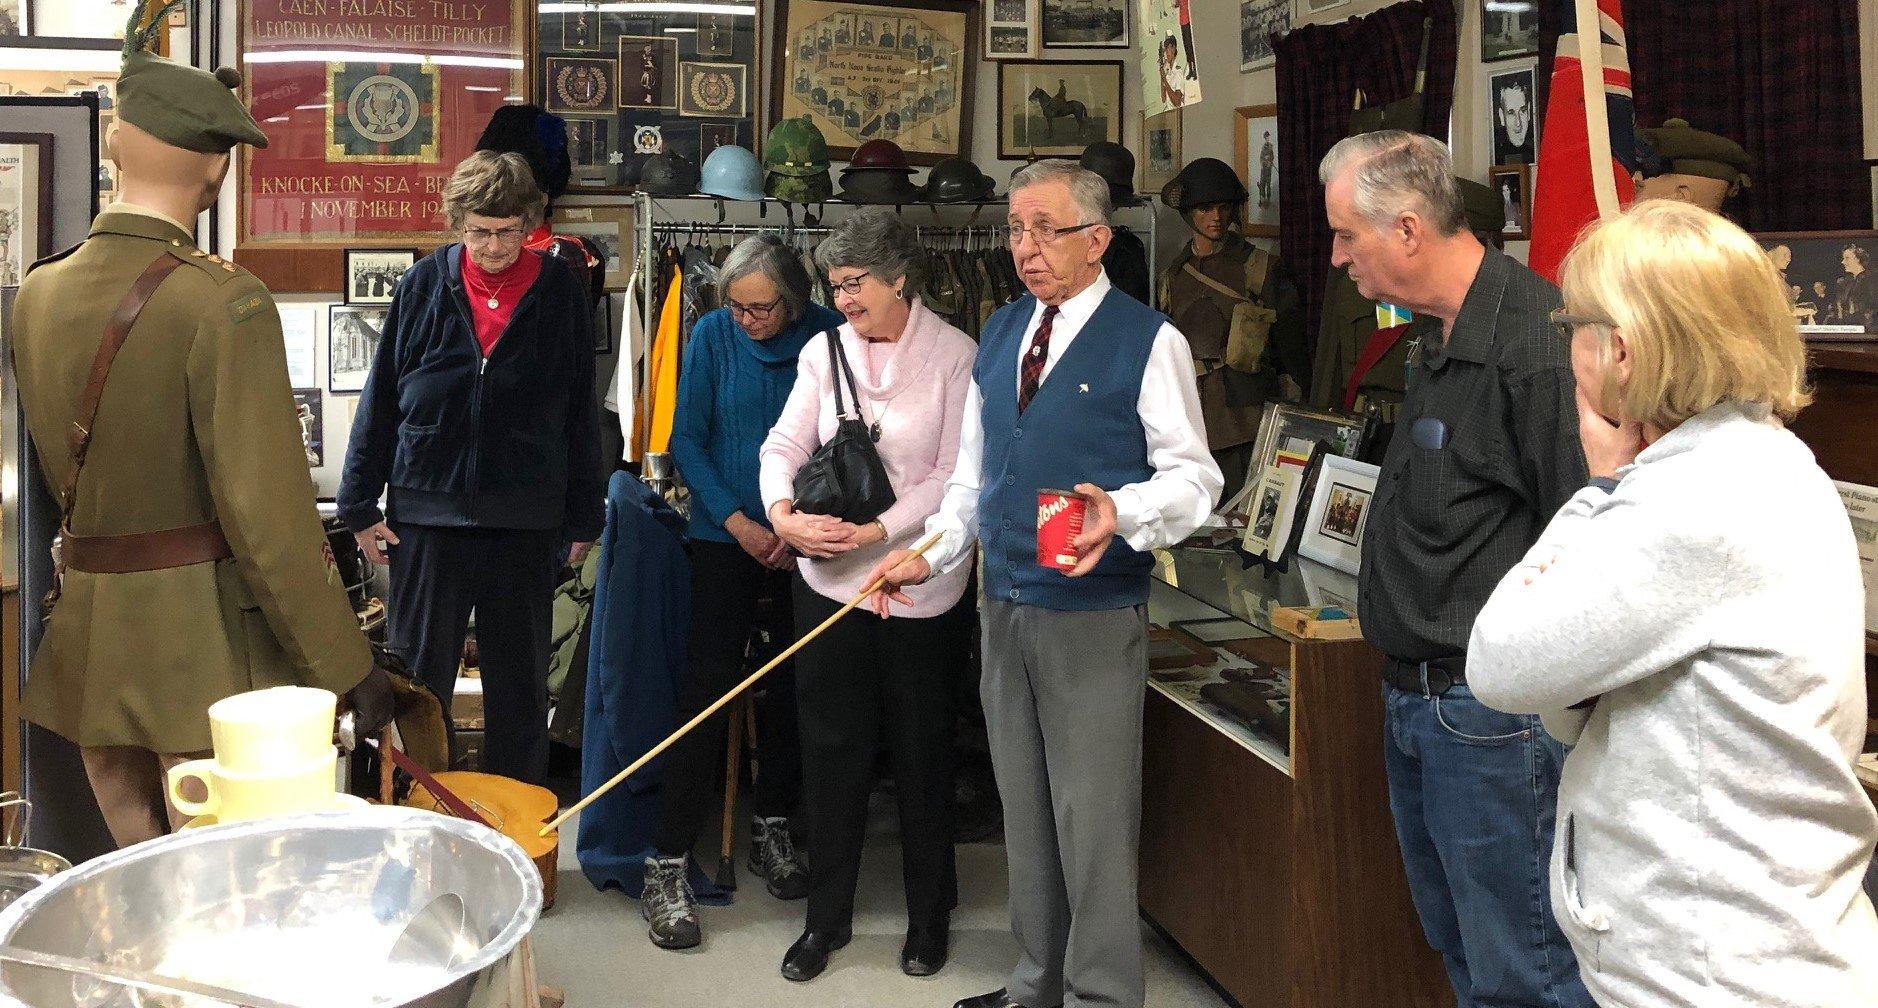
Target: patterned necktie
(1032, 369)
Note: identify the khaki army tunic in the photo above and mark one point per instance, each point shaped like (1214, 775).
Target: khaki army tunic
(197, 423)
(1231, 401)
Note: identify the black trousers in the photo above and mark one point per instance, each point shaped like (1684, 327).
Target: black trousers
(865, 682)
(507, 578)
(727, 586)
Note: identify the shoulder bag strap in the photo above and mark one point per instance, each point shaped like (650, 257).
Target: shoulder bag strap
(1218, 287)
(843, 372)
(835, 359)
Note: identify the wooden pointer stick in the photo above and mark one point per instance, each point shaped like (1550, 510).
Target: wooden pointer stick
(705, 715)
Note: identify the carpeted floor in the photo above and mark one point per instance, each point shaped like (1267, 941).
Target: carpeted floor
(594, 945)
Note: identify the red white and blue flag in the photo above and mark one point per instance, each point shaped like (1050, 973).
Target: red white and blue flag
(1588, 148)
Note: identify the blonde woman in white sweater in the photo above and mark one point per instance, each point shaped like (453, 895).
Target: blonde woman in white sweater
(1693, 622)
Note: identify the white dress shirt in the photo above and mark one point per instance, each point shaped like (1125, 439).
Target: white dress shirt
(1150, 515)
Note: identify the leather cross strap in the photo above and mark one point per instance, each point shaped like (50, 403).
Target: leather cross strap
(142, 551)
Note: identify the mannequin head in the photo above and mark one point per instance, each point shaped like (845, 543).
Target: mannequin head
(1212, 221)
(1704, 192)
(151, 173)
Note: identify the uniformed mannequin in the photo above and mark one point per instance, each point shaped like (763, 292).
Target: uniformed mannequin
(216, 577)
(1692, 165)
(1209, 197)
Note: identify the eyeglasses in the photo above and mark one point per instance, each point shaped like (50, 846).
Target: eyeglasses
(851, 286)
(1043, 233)
(483, 236)
(1567, 323)
(755, 312)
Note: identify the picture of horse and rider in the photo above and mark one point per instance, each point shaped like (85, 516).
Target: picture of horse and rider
(1057, 108)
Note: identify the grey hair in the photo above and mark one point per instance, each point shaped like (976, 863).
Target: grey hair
(1398, 172)
(493, 185)
(877, 240)
(1089, 190)
(767, 256)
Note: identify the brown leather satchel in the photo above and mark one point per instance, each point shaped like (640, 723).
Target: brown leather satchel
(140, 551)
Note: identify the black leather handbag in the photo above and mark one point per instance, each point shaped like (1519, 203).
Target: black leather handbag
(844, 477)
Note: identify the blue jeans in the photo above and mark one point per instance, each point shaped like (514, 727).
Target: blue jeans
(1475, 796)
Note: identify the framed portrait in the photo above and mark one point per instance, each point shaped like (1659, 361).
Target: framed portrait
(25, 203)
(580, 28)
(1514, 184)
(648, 72)
(1160, 151)
(587, 142)
(1255, 157)
(310, 405)
(1259, 20)
(895, 70)
(1274, 499)
(1333, 531)
(713, 90)
(1509, 29)
(1011, 29)
(372, 274)
(711, 136)
(1510, 98)
(1170, 71)
(367, 113)
(1298, 431)
(580, 86)
(1055, 108)
(352, 335)
(1829, 279)
(1085, 24)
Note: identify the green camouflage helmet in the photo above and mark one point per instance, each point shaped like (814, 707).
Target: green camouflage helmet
(795, 147)
(799, 188)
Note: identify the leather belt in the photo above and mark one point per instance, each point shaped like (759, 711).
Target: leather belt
(146, 551)
(1430, 679)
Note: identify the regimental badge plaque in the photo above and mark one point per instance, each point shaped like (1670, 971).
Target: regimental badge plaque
(712, 89)
(580, 85)
(382, 112)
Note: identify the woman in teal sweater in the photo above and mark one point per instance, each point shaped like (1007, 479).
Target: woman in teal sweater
(738, 369)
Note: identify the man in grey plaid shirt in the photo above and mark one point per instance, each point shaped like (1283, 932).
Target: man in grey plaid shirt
(1486, 450)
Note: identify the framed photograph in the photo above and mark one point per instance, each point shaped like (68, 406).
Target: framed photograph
(25, 203)
(1515, 130)
(715, 35)
(580, 29)
(1057, 108)
(352, 336)
(887, 69)
(1255, 157)
(100, 23)
(1170, 72)
(1011, 29)
(1298, 431)
(1333, 531)
(715, 90)
(711, 136)
(580, 86)
(587, 142)
(311, 406)
(1830, 279)
(1317, 6)
(648, 72)
(1160, 151)
(12, 19)
(605, 234)
(1509, 29)
(1274, 500)
(1085, 24)
(1514, 184)
(1259, 20)
(372, 274)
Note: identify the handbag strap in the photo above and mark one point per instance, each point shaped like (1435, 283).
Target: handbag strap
(838, 360)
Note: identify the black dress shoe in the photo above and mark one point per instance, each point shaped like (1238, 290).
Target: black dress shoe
(925, 950)
(808, 957)
(995, 999)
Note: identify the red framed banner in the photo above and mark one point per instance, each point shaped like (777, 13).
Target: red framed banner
(368, 106)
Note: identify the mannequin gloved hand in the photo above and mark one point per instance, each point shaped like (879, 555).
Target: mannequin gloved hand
(372, 703)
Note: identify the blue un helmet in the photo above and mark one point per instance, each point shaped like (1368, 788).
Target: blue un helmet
(733, 173)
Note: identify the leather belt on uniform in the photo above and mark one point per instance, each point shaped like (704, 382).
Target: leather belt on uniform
(1432, 678)
(146, 551)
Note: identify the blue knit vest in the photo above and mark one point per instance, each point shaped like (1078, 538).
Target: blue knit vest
(1084, 426)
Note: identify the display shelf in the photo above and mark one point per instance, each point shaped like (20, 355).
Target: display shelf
(1187, 694)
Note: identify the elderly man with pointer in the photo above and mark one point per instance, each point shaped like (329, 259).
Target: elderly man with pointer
(1075, 385)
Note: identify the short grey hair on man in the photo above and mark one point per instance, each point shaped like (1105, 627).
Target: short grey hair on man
(767, 256)
(1089, 190)
(1398, 172)
(877, 240)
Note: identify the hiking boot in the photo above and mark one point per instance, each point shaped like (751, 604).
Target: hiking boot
(669, 905)
(773, 858)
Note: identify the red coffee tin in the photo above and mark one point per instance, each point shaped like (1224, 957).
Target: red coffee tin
(1060, 515)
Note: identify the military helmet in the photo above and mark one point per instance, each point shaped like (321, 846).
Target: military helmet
(1204, 181)
(668, 174)
(796, 148)
(879, 186)
(731, 172)
(957, 180)
(1116, 165)
(880, 154)
(816, 188)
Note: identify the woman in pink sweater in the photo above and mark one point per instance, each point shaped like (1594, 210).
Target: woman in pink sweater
(867, 680)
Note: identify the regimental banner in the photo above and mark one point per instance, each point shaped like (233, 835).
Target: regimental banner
(368, 106)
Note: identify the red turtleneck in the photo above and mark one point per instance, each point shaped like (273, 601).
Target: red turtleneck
(505, 287)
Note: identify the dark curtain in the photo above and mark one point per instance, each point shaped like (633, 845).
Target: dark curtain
(1320, 67)
(1782, 80)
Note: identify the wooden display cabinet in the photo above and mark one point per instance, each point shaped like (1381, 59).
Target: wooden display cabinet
(1273, 863)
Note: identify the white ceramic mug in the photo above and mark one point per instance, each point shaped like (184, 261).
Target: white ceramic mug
(268, 730)
(235, 796)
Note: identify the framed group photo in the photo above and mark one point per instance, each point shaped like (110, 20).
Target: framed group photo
(1011, 28)
(1333, 531)
(25, 203)
(1829, 279)
(372, 274)
(1259, 20)
(1057, 108)
(1085, 24)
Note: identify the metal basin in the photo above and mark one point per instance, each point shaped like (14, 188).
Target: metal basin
(302, 909)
